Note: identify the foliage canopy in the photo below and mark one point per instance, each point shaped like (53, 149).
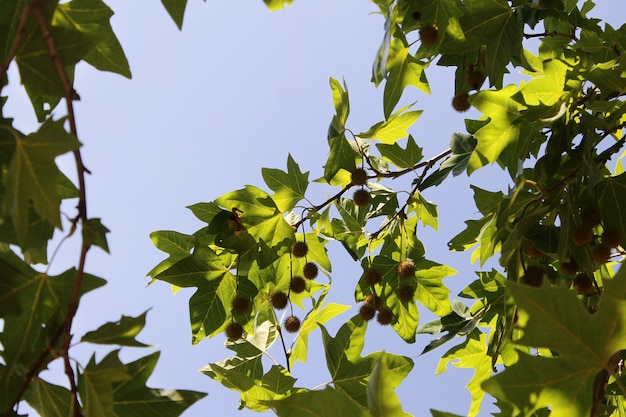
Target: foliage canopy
(550, 316)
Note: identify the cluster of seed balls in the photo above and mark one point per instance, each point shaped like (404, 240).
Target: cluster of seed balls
(241, 304)
(474, 78)
(582, 235)
(373, 303)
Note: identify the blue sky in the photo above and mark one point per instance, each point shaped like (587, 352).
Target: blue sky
(237, 90)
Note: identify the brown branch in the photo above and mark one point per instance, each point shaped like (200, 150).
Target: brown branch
(21, 31)
(549, 34)
(70, 95)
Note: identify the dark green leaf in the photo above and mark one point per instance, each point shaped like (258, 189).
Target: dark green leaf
(121, 332)
(94, 233)
(402, 158)
(176, 9)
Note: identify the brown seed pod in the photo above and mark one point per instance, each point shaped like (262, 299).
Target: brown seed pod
(359, 176)
(367, 312)
(569, 267)
(591, 216)
(234, 331)
(279, 300)
(373, 300)
(385, 316)
(241, 304)
(611, 237)
(292, 324)
(582, 235)
(601, 254)
(583, 284)
(299, 249)
(474, 79)
(372, 276)
(460, 102)
(406, 268)
(310, 270)
(298, 284)
(406, 293)
(533, 252)
(534, 275)
(361, 197)
(429, 34)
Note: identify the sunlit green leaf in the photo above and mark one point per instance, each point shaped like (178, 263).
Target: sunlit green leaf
(289, 187)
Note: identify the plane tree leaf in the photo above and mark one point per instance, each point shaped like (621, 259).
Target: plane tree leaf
(32, 175)
(289, 187)
(584, 344)
(350, 372)
(121, 332)
(382, 400)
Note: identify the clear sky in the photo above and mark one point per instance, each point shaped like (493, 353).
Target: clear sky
(237, 90)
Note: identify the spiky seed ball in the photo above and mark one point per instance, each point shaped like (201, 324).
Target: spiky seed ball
(583, 284)
(601, 253)
(234, 331)
(460, 102)
(372, 276)
(406, 268)
(474, 79)
(611, 238)
(310, 270)
(591, 216)
(299, 249)
(279, 300)
(582, 235)
(367, 312)
(385, 316)
(361, 197)
(298, 284)
(373, 300)
(533, 252)
(534, 275)
(429, 34)
(292, 324)
(569, 267)
(359, 176)
(241, 304)
(406, 293)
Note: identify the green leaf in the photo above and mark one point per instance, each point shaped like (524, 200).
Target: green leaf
(289, 187)
(324, 403)
(501, 131)
(94, 233)
(95, 384)
(134, 398)
(32, 175)
(341, 103)
(554, 318)
(175, 244)
(121, 332)
(215, 288)
(350, 371)
(92, 18)
(277, 4)
(472, 354)
(402, 158)
(316, 316)
(382, 400)
(48, 399)
(258, 212)
(176, 9)
(431, 291)
(394, 128)
(341, 156)
(404, 71)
